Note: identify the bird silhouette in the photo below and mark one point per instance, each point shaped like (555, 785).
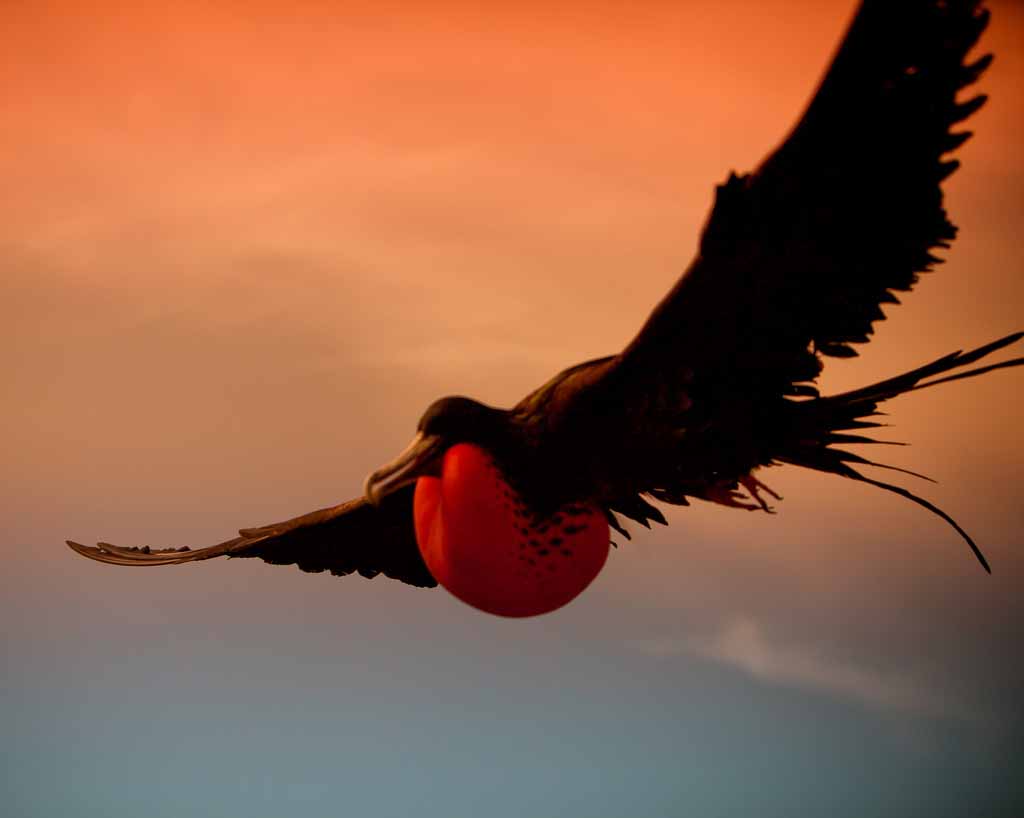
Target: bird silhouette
(511, 509)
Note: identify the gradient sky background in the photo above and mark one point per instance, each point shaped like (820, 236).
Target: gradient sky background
(243, 248)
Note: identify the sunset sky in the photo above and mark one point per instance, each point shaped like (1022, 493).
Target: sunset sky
(243, 245)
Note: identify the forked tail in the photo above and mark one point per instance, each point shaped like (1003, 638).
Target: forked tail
(821, 423)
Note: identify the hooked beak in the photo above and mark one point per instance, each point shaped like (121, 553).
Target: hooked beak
(418, 459)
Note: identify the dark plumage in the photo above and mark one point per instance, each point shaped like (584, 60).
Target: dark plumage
(354, 537)
(795, 263)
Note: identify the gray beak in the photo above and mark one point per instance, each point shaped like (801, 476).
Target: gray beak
(420, 457)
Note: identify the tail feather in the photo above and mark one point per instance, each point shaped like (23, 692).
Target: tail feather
(972, 372)
(855, 475)
(817, 422)
(883, 390)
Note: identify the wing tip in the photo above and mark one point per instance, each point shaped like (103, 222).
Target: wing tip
(110, 554)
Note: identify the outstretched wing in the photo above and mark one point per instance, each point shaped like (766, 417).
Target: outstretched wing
(354, 537)
(798, 257)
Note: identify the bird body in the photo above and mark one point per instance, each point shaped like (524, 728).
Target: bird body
(794, 265)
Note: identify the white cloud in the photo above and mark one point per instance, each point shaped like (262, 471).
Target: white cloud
(743, 643)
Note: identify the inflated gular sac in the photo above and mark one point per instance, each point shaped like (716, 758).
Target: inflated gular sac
(485, 546)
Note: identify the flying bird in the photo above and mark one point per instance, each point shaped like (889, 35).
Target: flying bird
(512, 509)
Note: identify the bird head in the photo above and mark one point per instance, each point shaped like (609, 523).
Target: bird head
(480, 537)
(446, 422)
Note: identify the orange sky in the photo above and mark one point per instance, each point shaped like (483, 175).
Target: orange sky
(422, 202)
(244, 247)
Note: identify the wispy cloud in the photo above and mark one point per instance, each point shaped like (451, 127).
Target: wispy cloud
(743, 643)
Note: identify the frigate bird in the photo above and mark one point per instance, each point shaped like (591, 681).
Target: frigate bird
(511, 509)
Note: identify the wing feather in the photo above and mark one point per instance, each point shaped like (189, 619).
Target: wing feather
(354, 537)
(798, 257)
